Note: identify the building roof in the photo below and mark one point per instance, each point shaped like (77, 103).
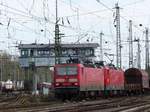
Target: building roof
(35, 46)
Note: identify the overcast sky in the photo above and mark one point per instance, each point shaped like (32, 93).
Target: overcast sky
(29, 21)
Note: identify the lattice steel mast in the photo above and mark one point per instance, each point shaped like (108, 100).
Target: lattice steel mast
(101, 46)
(57, 39)
(118, 37)
(130, 45)
(138, 53)
(146, 50)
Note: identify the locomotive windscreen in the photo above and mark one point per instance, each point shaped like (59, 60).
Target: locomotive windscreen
(66, 70)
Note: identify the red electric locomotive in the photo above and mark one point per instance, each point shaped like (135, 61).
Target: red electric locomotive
(66, 79)
(77, 79)
(114, 81)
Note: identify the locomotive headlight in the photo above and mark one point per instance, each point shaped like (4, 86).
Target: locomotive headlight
(76, 84)
(57, 84)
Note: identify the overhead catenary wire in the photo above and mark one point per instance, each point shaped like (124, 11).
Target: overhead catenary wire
(92, 13)
(40, 19)
(24, 15)
(82, 9)
(98, 16)
(120, 14)
(87, 13)
(133, 3)
(37, 18)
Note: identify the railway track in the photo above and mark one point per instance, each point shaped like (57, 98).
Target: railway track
(53, 106)
(77, 106)
(139, 105)
(124, 104)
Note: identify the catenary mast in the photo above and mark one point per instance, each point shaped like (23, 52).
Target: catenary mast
(130, 45)
(147, 51)
(118, 37)
(57, 39)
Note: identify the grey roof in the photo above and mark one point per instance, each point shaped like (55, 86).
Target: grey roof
(81, 45)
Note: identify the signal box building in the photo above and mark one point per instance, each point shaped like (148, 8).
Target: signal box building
(43, 55)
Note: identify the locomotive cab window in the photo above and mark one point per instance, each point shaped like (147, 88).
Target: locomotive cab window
(67, 70)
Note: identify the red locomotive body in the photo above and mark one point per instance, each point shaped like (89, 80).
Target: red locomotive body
(136, 81)
(114, 80)
(73, 79)
(70, 79)
(66, 79)
(91, 80)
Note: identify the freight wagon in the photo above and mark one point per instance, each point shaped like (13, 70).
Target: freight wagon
(136, 81)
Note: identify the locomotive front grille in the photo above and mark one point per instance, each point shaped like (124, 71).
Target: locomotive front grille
(60, 80)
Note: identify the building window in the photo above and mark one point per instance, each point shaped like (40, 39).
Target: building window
(52, 52)
(89, 52)
(24, 52)
(81, 52)
(64, 52)
(72, 52)
(75, 52)
(31, 53)
(43, 52)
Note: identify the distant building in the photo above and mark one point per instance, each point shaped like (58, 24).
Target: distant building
(44, 54)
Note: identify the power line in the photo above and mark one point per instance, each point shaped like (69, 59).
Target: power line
(120, 15)
(133, 3)
(35, 17)
(14, 9)
(104, 5)
(23, 16)
(21, 4)
(87, 13)
(82, 9)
